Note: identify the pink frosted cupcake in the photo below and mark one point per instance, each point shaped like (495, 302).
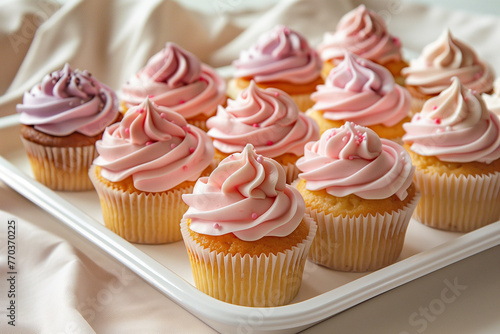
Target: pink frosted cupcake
(359, 190)
(445, 58)
(246, 232)
(360, 91)
(61, 119)
(145, 163)
(176, 79)
(364, 33)
(454, 143)
(269, 120)
(283, 59)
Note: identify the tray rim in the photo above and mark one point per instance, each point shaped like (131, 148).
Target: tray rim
(222, 316)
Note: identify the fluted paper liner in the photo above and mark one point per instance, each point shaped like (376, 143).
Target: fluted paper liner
(458, 203)
(291, 172)
(61, 168)
(362, 243)
(260, 281)
(140, 217)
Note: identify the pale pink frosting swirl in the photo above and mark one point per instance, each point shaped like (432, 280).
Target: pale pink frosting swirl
(175, 78)
(279, 55)
(246, 195)
(267, 118)
(353, 160)
(155, 146)
(68, 101)
(362, 32)
(444, 59)
(493, 100)
(455, 126)
(362, 92)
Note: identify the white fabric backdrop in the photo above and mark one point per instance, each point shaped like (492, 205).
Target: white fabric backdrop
(67, 287)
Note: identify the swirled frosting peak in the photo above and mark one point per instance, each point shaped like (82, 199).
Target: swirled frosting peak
(362, 32)
(68, 101)
(455, 126)
(363, 92)
(176, 78)
(267, 118)
(279, 55)
(353, 160)
(443, 59)
(155, 146)
(246, 195)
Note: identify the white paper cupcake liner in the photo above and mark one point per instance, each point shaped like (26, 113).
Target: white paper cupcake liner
(458, 203)
(260, 281)
(146, 218)
(363, 243)
(61, 168)
(291, 172)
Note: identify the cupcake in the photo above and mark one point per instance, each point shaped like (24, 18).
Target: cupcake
(61, 119)
(283, 59)
(269, 120)
(454, 143)
(363, 92)
(359, 190)
(246, 232)
(146, 163)
(447, 57)
(364, 33)
(493, 100)
(176, 79)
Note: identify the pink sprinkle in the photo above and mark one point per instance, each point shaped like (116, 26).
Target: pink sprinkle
(478, 75)
(182, 102)
(162, 115)
(434, 108)
(172, 146)
(474, 92)
(286, 30)
(254, 215)
(185, 128)
(396, 41)
(276, 94)
(216, 226)
(269, 143)
(191, 149)
(351, 157)
(437, 121)
(260, 159)
(127, 130)
(149, 143)
(466, 98)
(255, 125)
(184, 168)
(140, 110)
(151, 96)
(345, 139)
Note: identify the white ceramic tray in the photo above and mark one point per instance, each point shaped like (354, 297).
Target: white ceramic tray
(323, 293)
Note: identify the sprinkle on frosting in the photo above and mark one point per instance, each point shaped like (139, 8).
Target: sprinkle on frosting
(443, 59)
(176, 78)
(158, 152)
(245, 197)
(362, 32)
(279, 55)
(272, 124)
(68, 101)
(353, 160)
(460, 129)
(363, 92)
